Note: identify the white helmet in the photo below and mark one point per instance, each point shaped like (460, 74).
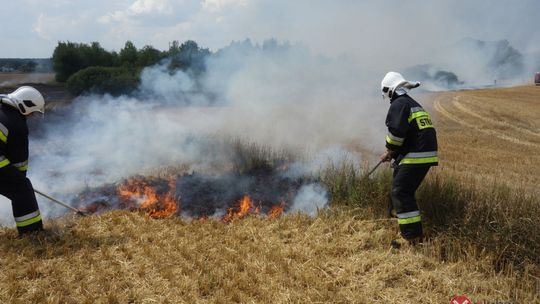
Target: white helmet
(393, 81)
(28, 100)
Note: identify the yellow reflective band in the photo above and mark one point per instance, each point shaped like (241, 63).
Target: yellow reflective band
(420, 160)
(29, 222)
(4, 163)
(416, 115)
(4, 133)
(410, 220)
(22, 166)
(393, 142)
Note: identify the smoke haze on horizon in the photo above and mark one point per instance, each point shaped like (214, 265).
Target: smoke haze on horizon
(365, 29)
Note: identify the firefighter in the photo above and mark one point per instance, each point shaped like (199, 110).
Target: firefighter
(14, 109)
(412, 143)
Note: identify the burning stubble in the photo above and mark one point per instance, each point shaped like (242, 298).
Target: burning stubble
(264, 191)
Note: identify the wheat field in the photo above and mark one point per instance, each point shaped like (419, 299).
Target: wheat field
(124, 257)
(15, 78)
(340, 256)
(491, 135)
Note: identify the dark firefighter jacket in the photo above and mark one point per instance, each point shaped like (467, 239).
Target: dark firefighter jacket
(13, 138)
(411, 134)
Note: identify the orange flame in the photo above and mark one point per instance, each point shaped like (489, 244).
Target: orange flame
(245, 207)
(276, 211)
(138, 194)
(156, 205)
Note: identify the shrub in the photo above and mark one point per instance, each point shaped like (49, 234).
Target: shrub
(69, 57)
(112, 80)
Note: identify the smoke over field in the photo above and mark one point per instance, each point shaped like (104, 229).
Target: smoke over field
(274, 95)
(313, 88)
(220, 151)
(277, 96)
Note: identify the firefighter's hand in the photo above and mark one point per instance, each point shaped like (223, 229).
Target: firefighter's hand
(387, 156)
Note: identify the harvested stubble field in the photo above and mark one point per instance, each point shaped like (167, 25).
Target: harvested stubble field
(484, 234)
(14, 78)
(491, 135)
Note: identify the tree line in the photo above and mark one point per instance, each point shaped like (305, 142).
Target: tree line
(91, 68)
(25, 65)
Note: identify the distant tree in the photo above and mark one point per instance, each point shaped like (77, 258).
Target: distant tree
(189, 56)
(506, 62)
(128, 55)
(67, 59)
(174, 49)
(89, 67)
(23, 64)
(112, 80)
(148, 56)
(115, 59)
(273, 45)
(447, 79)
(28, 67)
(95, 55)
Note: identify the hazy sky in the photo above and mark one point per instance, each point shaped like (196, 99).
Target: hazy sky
(32, 28)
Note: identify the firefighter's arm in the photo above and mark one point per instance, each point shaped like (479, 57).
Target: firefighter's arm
(388, 155)
(19, 140)
(398, 126)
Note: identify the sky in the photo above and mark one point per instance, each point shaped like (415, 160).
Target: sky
(362, 29)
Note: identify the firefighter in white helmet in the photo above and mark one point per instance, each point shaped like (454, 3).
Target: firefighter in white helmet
(412, 143)
(14, 109)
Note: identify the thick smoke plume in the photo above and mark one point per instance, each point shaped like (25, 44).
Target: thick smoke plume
(275, 95)
(472, 63)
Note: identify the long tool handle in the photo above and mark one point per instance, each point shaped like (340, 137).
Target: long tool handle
(375, 168)
(59, 202)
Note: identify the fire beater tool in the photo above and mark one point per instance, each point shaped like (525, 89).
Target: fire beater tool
(374, 168)
(79, 212)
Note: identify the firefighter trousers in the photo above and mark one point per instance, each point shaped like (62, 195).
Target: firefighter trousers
(15, 186)
(405, 182)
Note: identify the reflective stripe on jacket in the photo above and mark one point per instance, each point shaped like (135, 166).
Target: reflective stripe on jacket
(411, 133)
(13, 138)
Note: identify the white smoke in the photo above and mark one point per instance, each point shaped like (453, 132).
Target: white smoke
(177, 88)
(5, 212)
(310, 199)
(332, 156)
(315, 97)
(276, 95)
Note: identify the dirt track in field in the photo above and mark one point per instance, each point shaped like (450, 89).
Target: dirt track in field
(512, 136)
(490, 134)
